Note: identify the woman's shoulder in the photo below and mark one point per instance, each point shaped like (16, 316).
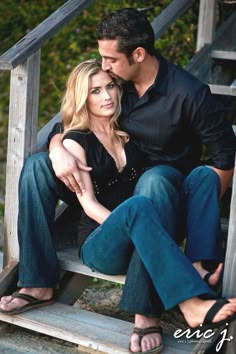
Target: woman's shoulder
(80, 136)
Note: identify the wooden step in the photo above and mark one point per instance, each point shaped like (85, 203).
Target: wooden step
(70, 261)
(224, 89)
(223, 54)
(89, 330)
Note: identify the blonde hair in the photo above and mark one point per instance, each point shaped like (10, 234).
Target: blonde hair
(74, 109)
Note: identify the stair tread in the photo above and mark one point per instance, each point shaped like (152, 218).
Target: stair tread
(223, 54)
(223, 89)
(69, 260)
(85, 328)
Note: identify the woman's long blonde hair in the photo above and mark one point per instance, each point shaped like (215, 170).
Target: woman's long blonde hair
(74, 109)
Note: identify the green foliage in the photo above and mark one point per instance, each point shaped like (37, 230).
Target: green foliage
(77, 42)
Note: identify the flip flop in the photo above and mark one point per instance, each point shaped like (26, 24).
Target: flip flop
(33, 303)
(207, 323)
(141, 332)
(217, 288)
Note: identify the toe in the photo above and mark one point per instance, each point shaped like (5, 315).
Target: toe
(134, 344)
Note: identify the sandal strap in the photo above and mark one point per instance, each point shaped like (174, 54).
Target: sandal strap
(214, 310)
(141, 332)
(26, 297)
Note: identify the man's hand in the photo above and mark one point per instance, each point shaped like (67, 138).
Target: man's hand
(67, 168)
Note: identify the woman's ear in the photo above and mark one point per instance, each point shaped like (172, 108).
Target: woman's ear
(139, 54)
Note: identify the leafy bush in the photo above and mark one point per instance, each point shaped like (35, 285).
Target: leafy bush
(77, 41)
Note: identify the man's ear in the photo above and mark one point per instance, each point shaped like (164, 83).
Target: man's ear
(139, 54)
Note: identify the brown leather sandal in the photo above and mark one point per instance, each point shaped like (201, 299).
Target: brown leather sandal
(32, 303)
(141, 332)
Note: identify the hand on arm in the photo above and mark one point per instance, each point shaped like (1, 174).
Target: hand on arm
(66, 166)
(88, 201)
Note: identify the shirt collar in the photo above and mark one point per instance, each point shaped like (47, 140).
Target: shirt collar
(161, 83)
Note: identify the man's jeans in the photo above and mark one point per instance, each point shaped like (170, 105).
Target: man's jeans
(40, 191)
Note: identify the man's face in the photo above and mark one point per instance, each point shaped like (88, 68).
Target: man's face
(114, 62)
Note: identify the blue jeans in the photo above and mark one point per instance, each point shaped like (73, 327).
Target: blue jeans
(39, 192)
(186, 208)
(189, 208)
(134, 229)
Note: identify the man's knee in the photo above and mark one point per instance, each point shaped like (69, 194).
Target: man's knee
(202, 177)
(36, 165)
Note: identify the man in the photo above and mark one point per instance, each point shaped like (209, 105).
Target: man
(170, 115)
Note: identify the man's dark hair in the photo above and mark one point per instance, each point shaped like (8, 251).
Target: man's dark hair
(131, 28)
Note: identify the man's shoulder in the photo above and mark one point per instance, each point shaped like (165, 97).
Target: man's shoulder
(180, 79)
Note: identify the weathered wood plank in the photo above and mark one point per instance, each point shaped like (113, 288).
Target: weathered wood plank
(70, 261)
(223, 89)
(91, 330)
(229, 284)
(72, 286)
(206, 23)
(44, 132)
(200, 64)
(168, 16)
(23, 122)
(223, 54)
(34, 40)
(8, 276)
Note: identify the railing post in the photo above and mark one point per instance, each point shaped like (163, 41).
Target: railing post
(206, 23)
(22, 134)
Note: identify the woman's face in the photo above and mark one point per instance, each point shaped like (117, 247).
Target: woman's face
(103, 98)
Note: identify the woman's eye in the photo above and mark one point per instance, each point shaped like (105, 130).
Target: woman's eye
(96, 91)
(111, 86)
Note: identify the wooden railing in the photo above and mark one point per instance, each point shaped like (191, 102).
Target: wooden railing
(23, 59)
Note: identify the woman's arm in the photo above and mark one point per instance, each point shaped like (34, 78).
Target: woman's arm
(88, 201)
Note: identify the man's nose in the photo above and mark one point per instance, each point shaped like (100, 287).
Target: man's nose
(105, 65)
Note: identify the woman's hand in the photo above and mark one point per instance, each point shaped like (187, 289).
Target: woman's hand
(67, 167)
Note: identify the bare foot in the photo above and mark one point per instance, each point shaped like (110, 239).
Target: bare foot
(149, 341)
(214, 277)
(195, 310)
(9, 303)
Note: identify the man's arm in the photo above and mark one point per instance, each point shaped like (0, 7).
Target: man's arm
(66, 166)
(225, 178)
(92, 207)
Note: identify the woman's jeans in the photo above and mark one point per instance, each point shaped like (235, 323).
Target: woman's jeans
(134, 228)
(174, 198)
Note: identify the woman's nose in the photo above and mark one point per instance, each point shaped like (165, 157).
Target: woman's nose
(107, 95)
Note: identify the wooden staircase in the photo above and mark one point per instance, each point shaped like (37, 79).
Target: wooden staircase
(95, 332)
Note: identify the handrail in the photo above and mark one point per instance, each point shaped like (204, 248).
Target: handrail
(33, 41)
(168, 16)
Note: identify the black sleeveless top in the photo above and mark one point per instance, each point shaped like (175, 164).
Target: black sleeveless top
(111, 187)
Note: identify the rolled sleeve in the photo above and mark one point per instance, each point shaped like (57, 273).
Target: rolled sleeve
(57, 129)
(215, 130)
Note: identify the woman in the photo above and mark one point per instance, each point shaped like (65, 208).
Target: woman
(117, 231)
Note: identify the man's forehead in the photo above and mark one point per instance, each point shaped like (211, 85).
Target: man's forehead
(108, 48)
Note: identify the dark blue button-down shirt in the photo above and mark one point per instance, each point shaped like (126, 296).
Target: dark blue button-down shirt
(175, 118)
